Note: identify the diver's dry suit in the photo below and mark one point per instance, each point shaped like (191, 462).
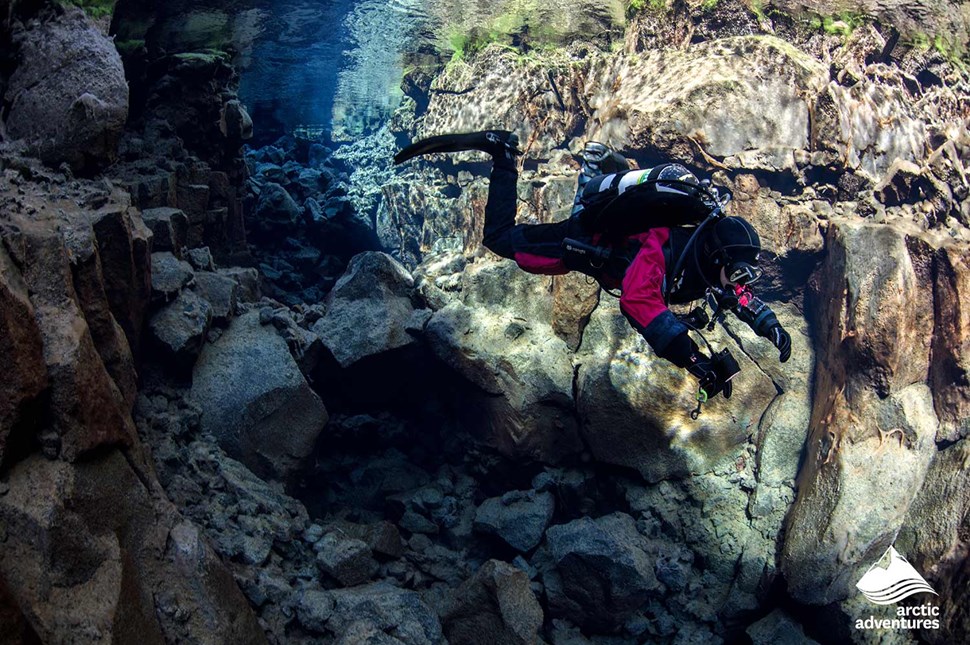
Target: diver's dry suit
(634, 261)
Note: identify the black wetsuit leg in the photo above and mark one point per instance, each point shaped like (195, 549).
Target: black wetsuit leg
(525, 243)
(500, 210)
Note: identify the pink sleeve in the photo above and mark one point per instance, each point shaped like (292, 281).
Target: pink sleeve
(540, 264)
(642, 300)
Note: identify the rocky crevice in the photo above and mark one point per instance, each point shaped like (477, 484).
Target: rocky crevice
(429, 445)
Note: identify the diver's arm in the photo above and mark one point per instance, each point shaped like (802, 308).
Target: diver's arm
(643, 305)
(759, 316)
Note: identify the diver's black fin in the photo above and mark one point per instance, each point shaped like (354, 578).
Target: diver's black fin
(494, 142)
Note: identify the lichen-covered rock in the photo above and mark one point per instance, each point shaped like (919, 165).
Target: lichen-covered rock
(69, 96)
(255, 401)
(369, 310)
(495, 606)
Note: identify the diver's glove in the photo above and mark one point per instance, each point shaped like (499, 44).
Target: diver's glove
(780, 339)
(711, 382)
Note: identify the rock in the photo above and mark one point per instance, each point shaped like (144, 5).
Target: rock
(495, 606)
(315, 609)
(235, 122)
(777, 628)
(169, 274)
(903, 184)
(276, 211)
(248, 281)
(398, 613)
(219, 291)
(950, 366)
(519, 518)
(201, 259)
(314, 211)
(25, 374)
(147, 574)
(69, 96)
(382, 538)
(124, 252)
(629, 401)
(601, 573)
(499, 337)
(347, 560)
(368, 310)
(85, 409)
(179, 328)
(574, 301)
(255, 401)
(89, 283)
(170, 229)
(932, 531)
(876, 423)
(848, 121)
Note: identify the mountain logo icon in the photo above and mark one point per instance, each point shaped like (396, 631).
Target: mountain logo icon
(891, 579)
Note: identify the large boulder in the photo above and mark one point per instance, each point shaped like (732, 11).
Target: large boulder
(499, 337)
(600, 571)
(125, 565)
(635, 406)
(68, 96)
(495, 606)
(255, 401)
(874, 425)
(369, 310)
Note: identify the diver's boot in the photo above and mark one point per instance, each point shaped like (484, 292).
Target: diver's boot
(503, 145)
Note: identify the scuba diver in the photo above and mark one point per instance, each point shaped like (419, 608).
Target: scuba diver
(657, 235)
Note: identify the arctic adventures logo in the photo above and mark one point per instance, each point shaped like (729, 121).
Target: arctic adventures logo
(892, 579)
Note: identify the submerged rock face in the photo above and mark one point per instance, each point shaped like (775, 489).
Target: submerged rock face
(129, 582)
(255, 401)
(68, 97)
(81, 511)
(874, 426)
(499, 338)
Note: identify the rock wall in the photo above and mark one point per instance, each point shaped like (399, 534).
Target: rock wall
(429, 445)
